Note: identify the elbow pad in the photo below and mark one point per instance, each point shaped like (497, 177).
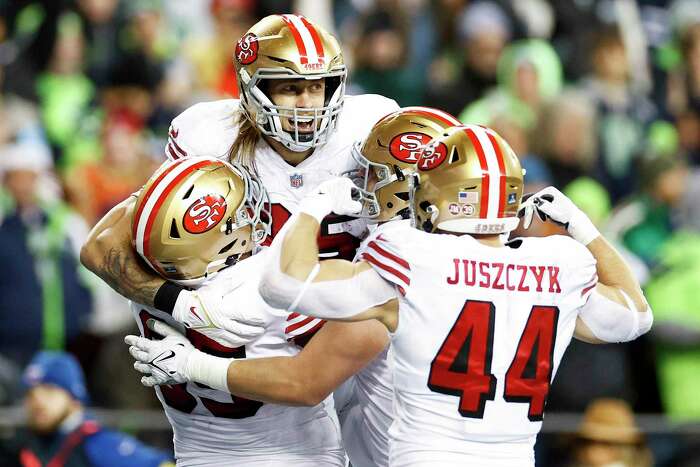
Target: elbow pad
(611, 322)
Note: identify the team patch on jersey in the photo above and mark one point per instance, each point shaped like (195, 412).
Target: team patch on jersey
(433, 156)
(296, 180)
(406, 147)
(204, 214)
(247, 49)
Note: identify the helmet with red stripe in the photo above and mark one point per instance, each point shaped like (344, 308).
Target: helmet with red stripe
(388, 156)
(468, 180)
(196, 216)
(288, 47)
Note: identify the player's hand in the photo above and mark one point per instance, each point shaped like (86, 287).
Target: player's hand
(160, 361)
(551, 203)
(204, 311)
(338, 195)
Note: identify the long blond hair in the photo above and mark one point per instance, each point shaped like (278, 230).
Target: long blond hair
(243, 148)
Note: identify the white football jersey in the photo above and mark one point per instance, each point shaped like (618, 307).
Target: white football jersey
(212, 427)
(210, 128)
(480, 336)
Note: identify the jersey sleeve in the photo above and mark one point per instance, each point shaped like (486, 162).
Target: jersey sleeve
(382, 251)
(580, 277)
(204, 129)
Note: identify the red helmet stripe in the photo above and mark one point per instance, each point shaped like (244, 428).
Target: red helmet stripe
(297, 38)
(485, 177)
(502, 174)
(153, 186)
(315, 36)
(444, 117)
(161, 199)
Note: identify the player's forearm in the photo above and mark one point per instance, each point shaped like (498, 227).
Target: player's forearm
(277, 380)
(108, 253)
(613, 271)
(299, 253)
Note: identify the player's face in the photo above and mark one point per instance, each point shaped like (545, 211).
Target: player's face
(300, 94)
(47, 406)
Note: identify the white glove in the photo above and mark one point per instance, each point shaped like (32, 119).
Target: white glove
(204, 311)
(163, 361)
(551, 203)
(174, 360)
(335, 195)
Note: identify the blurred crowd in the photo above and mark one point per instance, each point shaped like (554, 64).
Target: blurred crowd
(600, 98)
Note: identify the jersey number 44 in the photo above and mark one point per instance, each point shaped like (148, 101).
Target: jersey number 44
(462, 366)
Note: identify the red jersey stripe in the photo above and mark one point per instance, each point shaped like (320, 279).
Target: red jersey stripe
(300, 324)
(392, 271)
(400, 261)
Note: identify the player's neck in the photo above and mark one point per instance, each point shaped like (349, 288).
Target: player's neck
(489, 240)
(290, 157)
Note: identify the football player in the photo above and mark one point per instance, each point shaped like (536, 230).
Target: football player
(478, 326)
(196, 222)
(386, 159)
(293, 125)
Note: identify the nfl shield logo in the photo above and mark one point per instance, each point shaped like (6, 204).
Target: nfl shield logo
(296, 180)
(511, 198)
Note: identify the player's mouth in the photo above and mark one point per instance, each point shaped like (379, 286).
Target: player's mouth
(304, 124)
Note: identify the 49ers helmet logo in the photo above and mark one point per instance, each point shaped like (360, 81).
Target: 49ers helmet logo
(204, 214)
(406, 147)
(432, 156)
(247, 49)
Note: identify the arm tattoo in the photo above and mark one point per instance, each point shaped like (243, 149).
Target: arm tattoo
(124, 273)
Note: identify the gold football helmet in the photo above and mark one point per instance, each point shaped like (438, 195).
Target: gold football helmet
(468, 180)
(284, 47)
(196, 216)
(388, 156)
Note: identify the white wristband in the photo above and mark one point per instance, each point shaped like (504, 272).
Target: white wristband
(582, 229)
(207, 369)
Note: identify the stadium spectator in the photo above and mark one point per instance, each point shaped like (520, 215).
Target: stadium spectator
(60, 432)
(461, 76)
(608, 435)
(43, 300)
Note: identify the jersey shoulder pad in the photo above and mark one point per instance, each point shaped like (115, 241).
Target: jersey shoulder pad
(204, 129)
(114, 449)
(383, 251)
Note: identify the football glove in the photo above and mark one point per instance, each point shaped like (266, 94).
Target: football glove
(161, 361)
(204, 311)
(551, 203)
(338, 195)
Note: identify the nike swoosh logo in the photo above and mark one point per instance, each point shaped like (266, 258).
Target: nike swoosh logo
(160, 358)
(193, 310)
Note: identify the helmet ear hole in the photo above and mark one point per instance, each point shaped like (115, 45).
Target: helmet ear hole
(227, 247)
(174, 232)
(189, 192)
(454, 157)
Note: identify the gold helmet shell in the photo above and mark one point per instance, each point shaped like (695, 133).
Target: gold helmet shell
(284, 47)
(468, 180)
(388, 156)
(195, 216)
